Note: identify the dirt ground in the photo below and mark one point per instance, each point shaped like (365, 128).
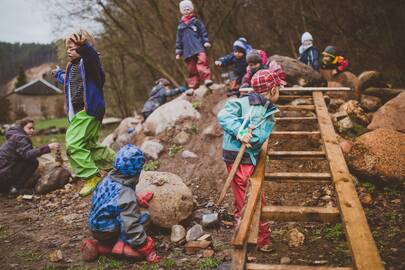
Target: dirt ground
(32, 229)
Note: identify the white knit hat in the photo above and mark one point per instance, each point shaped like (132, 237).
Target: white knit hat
(306, 36)
(186, 5)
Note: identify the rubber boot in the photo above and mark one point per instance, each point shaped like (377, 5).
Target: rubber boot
(123, 249)
(89, 186)
(91, 249)
(148, 250)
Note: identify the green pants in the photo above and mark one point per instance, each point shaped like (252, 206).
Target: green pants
(86, 156)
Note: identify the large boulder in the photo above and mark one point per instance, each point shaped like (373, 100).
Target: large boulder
(356, 113)
(371, 78)
(50, 175)
(152, 148)
(344, 79)
(391, 115)
(385, 94)
(298, 73)
(172, 201)
(168, 114)
(370, 103)
(379, 155)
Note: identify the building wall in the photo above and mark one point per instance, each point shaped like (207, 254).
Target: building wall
(37, 107)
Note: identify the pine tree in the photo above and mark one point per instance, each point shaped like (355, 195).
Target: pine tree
(21, 78)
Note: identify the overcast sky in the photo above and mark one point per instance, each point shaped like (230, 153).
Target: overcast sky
(24, 21)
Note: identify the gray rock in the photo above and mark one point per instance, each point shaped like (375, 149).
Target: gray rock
(370, 103)
(213, 130)
(199, 213)
(285, 260)
(301, 101)
(345, 124)
(178, 233)
(209, 220)
(188, 154)
(181, 138)
(356, 113)
(194, 233)
(152, 148)
(201, 92)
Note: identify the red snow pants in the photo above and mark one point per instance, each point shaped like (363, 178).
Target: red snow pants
(198, 70)
(239, 185)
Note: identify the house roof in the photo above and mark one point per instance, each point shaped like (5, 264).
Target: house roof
(38, 87)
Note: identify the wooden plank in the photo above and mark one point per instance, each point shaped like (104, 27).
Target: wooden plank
(309, 97)
(256, 183)
(322, 89)
(254, 227)
(296, 107)
(364, 251)
(298, 175)
(301, 213)
(304, 118)
(256, 266)
(297, 134)
(300, 181)
(239, 257)
(295, 154)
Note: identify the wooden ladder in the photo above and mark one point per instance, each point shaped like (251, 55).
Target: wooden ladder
(349, 212)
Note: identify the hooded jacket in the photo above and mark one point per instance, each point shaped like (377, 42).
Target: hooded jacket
(158, 96)
(114, 207)
(191, 37)
(259, 112)
(18, 147)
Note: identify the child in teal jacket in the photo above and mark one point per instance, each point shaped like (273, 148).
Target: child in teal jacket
(250, 120)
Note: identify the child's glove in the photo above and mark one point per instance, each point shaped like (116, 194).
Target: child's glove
(182, 89)
(207, 45)
(218, 63)
(143, 199)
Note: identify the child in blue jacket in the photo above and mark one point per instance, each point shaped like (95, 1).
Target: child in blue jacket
(115, 219)
(238, 59)
(191, 44)
(250, 120)
(309, 54)
(83, 81)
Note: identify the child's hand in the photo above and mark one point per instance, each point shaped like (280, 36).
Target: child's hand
(54, 146)
(207, 45)
(334, 72)
(78, 39)
(53, 72)
(177, 56)
(218, 63)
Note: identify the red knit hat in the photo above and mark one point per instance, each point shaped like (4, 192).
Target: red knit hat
(265, 79)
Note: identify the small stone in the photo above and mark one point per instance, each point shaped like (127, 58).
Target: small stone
(152, 148)
(209, 220)
(320, 262)
(366, 198)
(194, 233)
(301, 101)
(326, 198)
(188, 154)
(346, 146)
(296, 238)
(199, 213)
(206, 237)
(209, 204)
(193, 246)
(345, 124)
(178, 233)
(27, 197)
(181, 138)
(56, 256)
(396, 201)
(285, 260)
(251, 258)
(208, 253)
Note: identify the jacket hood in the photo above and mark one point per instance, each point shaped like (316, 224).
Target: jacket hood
(15, 130)
(156, 89)
(123, 180)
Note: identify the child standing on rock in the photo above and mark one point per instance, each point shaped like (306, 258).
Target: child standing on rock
(191, 44)
(115, 219)
(250, 120)
(83, 80)
(309, 54)
(333, 59)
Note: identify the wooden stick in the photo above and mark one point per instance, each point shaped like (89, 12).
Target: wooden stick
(286, 89)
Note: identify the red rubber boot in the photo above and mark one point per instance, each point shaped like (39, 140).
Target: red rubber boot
(91, 249)
(148, 250)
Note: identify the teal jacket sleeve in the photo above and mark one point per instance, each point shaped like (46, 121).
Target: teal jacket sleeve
(230, 117)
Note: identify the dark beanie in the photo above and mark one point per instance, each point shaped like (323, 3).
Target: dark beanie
(163, 81)
(253, 57)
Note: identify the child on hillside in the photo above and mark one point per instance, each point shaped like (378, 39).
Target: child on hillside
(333, 59)
(158, 95)
(309, 54)
(115, 219)
(83, 80)
(238, 59)
(191, 44)
(250, 120)
(256, 60)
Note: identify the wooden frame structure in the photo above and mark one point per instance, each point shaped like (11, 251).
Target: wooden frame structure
(349, 212)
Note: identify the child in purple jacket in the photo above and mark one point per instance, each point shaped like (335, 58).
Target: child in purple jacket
(191, 44)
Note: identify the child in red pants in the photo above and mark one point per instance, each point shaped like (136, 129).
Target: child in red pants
(250, 120)
(191, 44)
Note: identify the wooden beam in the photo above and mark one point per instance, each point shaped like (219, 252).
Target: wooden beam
(298, 175)
(298, 134)
(303, 118)
(300, 213)
(239, 258)
(364, 251)
(256, 266)
(296, 107)
(256, 183)
(295, 97)
(322, 89)
(295, 154)
(300, 181)
(254, 227)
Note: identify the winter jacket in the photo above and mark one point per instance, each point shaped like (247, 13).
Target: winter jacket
(257, 111)
(93, 82)
(190, 38)
(310, 57)
(17, 148)
(249, 75)
(158, 96)
(240, 65)
(114, 207)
